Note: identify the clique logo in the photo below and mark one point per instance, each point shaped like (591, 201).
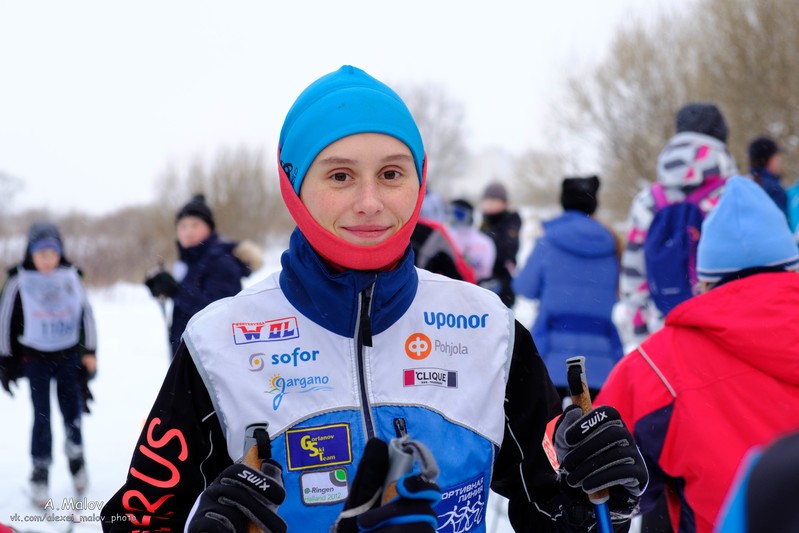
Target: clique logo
(418, 346)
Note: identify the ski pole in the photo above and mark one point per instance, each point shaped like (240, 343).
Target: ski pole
(257, 448)
(575, 374)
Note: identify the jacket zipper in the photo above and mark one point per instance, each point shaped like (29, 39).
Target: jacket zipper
(363, 336)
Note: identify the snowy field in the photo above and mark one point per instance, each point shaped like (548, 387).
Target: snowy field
(133, 357)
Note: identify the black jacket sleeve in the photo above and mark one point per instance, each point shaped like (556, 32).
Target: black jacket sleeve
(522, 471)
(180, 451)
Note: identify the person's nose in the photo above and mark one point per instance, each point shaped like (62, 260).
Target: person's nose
(369, 200)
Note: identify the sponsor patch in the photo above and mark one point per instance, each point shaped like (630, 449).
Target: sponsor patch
(280, 386)
(440, 377)
(418, 346)
(318, 446)
(280, 329)
(327, 486)
(462, 507)
(451, 348)
(453, 321)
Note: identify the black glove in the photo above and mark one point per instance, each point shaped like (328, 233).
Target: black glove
(410, 511)
(596, 451)
(9, 372)
(86, 394)
(241, 495)
(162, 284)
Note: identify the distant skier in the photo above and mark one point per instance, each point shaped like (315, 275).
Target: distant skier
(503, 226)
(47, 332)
(208, 267)
(573, 271)
(476, 247)
(693, 163)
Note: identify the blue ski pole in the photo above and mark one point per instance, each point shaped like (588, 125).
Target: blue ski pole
(575, 374)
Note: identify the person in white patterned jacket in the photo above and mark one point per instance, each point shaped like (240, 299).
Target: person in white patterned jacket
(694, 162)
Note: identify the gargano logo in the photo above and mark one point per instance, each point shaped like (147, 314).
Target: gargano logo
(267, 331)
(440, 377)
(418, 346)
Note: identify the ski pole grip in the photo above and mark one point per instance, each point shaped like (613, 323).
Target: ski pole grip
(578, 388)
(257, 448)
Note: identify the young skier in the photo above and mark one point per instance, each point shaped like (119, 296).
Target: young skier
(350, 346)
(208, 267)
(47, 332)
(695, 391)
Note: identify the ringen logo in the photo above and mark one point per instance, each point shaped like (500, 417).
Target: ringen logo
(418, 346)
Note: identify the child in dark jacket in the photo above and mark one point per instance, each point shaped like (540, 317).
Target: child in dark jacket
(208, 268)
(47, 332)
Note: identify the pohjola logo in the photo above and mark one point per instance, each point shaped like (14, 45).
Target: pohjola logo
(280, 329)
(450, 320)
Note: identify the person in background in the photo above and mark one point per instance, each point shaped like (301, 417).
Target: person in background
(349, 347)
(765, 167)
(763, 497)
(503, 226)
(696, 392)
(436, 251)
(694, 162)
(47, 332)
(573, 271)
(433, 207)
(208, 268)
(476, 247)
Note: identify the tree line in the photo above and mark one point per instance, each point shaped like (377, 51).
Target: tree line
(738, 54)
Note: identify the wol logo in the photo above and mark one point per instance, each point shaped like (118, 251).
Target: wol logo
(266, 331)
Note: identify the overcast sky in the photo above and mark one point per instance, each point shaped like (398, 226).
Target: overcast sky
(97, 98)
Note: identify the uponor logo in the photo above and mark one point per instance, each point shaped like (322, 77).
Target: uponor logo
(450, 320)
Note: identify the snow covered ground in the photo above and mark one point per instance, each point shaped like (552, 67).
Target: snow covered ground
(133, 357)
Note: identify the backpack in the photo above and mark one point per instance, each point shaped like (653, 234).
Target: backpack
(671, 243)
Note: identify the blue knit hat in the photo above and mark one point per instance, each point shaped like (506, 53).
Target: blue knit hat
(42, 236)
(746, 229)
(342, 103)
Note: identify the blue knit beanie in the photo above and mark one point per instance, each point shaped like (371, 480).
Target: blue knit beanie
(746, 229)
(342, 103)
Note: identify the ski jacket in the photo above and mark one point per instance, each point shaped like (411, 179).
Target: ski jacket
(329, 359)
(212, 272)
(503, 228)
(686, 162)
(477, 249)
(763, 497)
(771, 184)
(12, 318)
(701, 392)
(573, 271)
(436, 251)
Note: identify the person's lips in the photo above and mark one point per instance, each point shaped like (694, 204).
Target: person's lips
(368, 231)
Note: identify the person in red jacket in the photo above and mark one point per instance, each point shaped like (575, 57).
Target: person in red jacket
(700, 392)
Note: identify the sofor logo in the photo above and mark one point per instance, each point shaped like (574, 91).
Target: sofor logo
(418, 346)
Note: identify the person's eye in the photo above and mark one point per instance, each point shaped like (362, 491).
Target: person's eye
(339, 176)
(391, 174)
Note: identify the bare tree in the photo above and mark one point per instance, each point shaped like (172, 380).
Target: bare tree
(244, 196)
(736, 53)
(441, 122)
